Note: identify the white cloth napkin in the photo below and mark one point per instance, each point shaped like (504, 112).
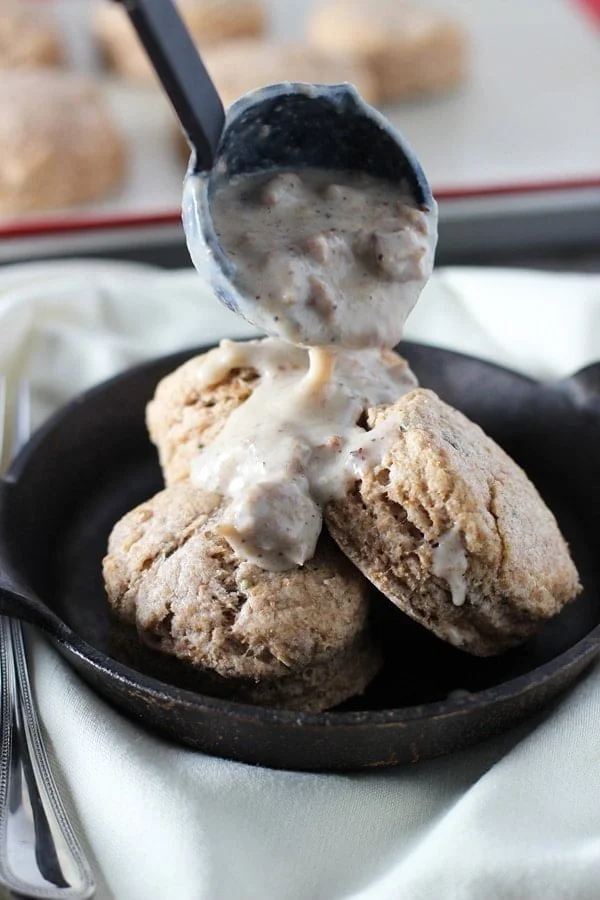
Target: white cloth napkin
(516, 818)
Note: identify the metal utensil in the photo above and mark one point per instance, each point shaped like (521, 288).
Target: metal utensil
(40, 855)
(281, 127)
(182, 74)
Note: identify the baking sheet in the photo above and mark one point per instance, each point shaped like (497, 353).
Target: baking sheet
(525, 121)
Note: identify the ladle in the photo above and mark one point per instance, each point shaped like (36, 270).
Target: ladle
(280, 127)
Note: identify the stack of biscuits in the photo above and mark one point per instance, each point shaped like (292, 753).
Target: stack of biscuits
(301, 639)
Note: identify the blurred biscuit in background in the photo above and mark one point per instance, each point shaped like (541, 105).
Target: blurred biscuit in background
(208, 21)
(240, 66)
(409, 51)
(28, 37)
(58, 144)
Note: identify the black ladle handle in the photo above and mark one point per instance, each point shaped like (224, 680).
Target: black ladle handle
(181, 72)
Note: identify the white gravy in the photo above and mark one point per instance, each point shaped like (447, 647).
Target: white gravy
(450, 563)
(295, 443)
(325, 257)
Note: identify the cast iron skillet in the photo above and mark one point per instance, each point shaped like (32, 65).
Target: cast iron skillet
(93, 461)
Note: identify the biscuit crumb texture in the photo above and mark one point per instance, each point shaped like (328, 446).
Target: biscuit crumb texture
(317, 687)
(184, 416)
(442, 474)
(170, 574)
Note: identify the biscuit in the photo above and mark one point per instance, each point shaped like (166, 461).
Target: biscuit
(325, 684)
(170, 573)
(208, 21)
(241, 66)
(28, 38)
(321, 686)
(58, 144)
(408, 50)
(447, 515)
(184, 416)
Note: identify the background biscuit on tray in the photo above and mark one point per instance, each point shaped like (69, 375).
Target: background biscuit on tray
(28, 37)
(58, 144)
(208, 21)
(409, 50)
(451, 529)
(237, 67)
(169, 572)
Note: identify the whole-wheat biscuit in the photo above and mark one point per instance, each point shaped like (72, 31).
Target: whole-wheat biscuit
(58, 144)
(237, 67)
(409, 50)
(208, 21)
(170, 573)
(28, 37)
(320, 686)
(185, 415)
(448, 515)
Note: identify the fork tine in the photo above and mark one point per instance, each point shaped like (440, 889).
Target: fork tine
(21, 430)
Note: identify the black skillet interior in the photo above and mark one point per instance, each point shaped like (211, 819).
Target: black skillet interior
(93, 462)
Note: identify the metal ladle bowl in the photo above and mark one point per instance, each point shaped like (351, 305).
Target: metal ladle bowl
(288, 127)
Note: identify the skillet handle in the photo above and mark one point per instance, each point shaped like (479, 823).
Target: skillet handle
(584, 386)
(19, 603)
(17, 600)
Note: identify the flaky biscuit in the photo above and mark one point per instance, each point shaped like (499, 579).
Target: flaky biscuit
(170, 573)
(184, 416)
(443, 482)
(325, 684)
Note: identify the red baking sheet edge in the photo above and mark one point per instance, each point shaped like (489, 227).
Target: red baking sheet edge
(84, 223)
